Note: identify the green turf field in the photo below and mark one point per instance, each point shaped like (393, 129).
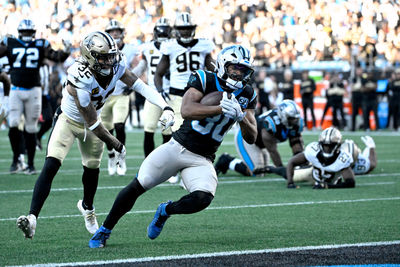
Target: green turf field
(248, 213)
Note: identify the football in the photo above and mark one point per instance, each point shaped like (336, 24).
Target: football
(212, 99)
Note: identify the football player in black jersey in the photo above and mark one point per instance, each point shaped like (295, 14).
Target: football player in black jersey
(273, 127)
(192, 148)
(25, 55)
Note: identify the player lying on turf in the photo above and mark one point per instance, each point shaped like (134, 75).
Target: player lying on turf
(192, 148)
(333, 162)
(273, 127)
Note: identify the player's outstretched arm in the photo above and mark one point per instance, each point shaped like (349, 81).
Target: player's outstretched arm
(249, 127)
(296, 160)
(136, 84)
(192, 109)
(270, 143)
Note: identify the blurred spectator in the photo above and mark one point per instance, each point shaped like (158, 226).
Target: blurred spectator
(393, 91)
(356, 96)
(334, 95)
(286, 86)
(259, 84)
(307, 88)
(370, 101)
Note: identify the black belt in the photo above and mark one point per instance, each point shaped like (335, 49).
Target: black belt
(178, 92)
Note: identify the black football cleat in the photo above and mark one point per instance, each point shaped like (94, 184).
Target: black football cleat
(222, 164)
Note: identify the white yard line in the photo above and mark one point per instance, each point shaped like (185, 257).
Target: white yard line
(247, 181)
(238, 207)
(220, 254)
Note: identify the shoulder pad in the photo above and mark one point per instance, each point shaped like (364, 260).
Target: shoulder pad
(310, 151)
(79, 75)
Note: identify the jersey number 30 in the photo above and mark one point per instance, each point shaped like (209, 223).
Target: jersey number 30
(213, 126)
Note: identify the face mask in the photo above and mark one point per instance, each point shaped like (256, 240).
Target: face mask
(26, 38)
(105, 72)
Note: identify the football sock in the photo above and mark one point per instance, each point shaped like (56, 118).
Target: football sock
(43, 184)
(194, 202)
(120, 132)
(90, 180)
(123, 203)
(148, 143)
(109, 147)
(15, 137)
(30, 142)
(242, 168)
(166, 137)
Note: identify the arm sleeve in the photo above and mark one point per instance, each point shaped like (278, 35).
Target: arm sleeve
(149, 93)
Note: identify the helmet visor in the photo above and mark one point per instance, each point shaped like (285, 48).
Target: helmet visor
(105, 60)
(328, 148)
(162, 31)
(185, 31)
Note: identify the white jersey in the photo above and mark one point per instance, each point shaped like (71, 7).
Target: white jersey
(327, 173)
(80, 76)
(153, 56)
(361, 165)
(130, 51)
(184, 60)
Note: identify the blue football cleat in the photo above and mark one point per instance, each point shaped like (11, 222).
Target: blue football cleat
(155, 227)
(98, 240)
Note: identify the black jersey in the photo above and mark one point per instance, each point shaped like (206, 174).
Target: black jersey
(204, 136)
(25, 60)
(287, 89)
(272, 123)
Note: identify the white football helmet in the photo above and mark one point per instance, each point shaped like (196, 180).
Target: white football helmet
(26, 30)
(116, 25)
(162, 30)
(241, 71)
(184, 27)
(100, 51)
(330, 141)
(289, 113)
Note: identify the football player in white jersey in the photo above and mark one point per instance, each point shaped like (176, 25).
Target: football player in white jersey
(151, 55)
(182, 56)
(90, 81)
(332, 164)
(116, 108)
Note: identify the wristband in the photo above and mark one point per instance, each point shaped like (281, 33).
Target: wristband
(94, 125)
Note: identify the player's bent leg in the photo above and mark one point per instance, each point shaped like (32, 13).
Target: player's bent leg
(15, 136)
(148, 143)
(90, 180)
(122, 204)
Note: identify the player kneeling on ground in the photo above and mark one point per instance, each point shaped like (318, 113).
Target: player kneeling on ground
(273, 127)
(192, 148)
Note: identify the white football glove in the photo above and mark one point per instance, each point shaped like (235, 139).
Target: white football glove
(4, 109)
(368, 141)
(167, 118)
(231, 107)
(120, 156)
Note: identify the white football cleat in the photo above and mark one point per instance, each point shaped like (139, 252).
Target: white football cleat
(174, 179)
(90, 218)
(121, 168)
(112, 165)
(27, 224)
